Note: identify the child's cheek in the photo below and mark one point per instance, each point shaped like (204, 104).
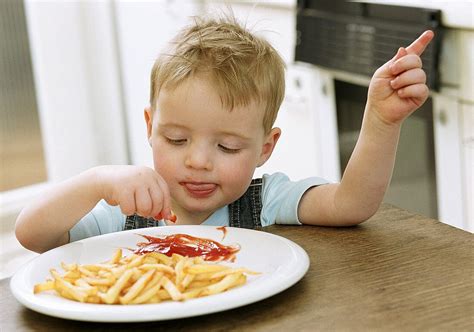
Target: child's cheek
(163, 160)
(238, 172)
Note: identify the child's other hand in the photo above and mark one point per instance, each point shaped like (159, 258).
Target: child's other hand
(136, 189)
(398, 88)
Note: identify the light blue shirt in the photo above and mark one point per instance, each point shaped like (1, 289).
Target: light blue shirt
(280, 199)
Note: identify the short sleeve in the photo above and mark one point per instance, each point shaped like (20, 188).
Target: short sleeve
(102, 219)
(281, 196)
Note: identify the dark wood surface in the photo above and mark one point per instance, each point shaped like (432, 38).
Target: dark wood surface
(396, 272)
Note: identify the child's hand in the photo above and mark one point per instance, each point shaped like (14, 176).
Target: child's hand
(398, 88)
(136, 189)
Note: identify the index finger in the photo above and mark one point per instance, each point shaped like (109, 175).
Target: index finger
(166, 198)
(419, 45)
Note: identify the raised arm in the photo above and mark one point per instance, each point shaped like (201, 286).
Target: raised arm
(396, 90)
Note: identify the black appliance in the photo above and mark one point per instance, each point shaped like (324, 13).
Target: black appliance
(359, 37)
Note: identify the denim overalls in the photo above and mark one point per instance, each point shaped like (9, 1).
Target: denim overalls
(243, 213)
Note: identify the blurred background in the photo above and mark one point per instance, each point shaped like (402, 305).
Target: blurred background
(74, 80)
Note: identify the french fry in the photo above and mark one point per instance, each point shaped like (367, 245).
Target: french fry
(118, 271)
(222, 274)
(187, 280)
(199, 284)
(161, 258)
(116, 257)
(154, 281)
(205, 268)
(138, 279)
(137, 287)
(69, 267)
(222, 285)
(86, 287)
(163, 295)
(114, 291)
(172, 290)
(193, 293)
(65, 294)
(99, 267)
(136, 261)
(158, 267)
(179, 270)
(67, 288)
(44, 286)
(148, 294)
(109, 280)
(86, 272)
(150, 260)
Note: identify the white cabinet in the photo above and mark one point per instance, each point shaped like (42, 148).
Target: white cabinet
(275, 21)
(308, 144)
(467, 111)
(466, 42)
(448, 155)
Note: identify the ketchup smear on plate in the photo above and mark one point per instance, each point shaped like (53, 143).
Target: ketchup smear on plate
(224, 231)
(187, 245)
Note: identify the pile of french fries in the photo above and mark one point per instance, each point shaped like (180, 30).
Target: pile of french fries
(140, 279)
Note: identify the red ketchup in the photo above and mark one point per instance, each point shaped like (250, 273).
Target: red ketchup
(224, 231)
(187, 245)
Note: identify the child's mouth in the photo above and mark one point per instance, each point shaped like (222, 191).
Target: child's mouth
(199, 189)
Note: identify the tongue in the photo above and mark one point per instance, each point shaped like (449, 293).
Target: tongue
(201, 186)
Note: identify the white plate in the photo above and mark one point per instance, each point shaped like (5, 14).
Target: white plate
(281, 263)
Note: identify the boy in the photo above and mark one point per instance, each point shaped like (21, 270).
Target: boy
(214, 99)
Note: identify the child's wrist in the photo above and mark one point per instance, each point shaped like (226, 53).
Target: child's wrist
(94, 179)
(374, 120)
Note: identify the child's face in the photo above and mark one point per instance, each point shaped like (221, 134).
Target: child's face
(206, 153)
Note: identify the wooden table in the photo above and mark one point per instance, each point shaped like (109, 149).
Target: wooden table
(398, 271)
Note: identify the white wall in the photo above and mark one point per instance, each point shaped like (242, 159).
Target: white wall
(77, 84)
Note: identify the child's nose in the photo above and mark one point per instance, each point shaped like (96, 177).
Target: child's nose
(198, 158)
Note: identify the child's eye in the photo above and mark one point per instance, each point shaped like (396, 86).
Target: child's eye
(228, 150)
(176, 141)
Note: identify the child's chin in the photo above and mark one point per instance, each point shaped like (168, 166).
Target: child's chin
(200, 207)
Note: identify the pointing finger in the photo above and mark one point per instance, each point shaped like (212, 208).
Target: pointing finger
(419, 45)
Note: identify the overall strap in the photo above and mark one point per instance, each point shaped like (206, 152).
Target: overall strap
(135, 221)
(245, 212)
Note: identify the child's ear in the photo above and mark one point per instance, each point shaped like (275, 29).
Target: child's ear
(268, 145)
(149, 122)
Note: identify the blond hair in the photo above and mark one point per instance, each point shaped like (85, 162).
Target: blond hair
(244, 68)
